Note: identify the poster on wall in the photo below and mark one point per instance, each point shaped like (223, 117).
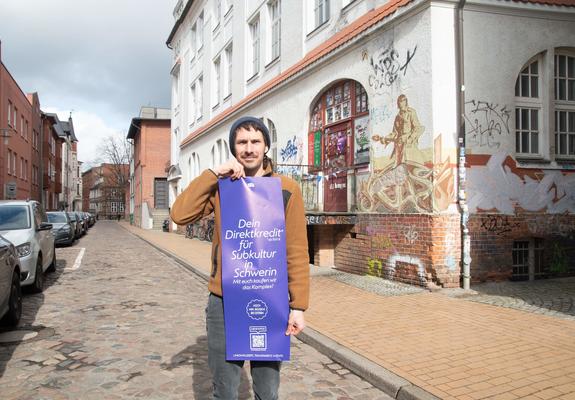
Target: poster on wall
(314, 148)
(361, 153)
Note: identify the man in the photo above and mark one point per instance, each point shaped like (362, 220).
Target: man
(406, 131)
(249, 141)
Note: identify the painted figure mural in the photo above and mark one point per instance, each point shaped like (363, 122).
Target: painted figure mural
(406, 131)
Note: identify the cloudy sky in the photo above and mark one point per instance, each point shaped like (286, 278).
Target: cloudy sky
(100, 59)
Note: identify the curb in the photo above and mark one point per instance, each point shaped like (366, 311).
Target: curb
(391, 384)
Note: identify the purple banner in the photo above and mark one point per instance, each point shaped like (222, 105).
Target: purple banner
(254, 269)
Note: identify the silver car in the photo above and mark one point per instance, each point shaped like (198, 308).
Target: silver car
(25, 224)
(10, 290)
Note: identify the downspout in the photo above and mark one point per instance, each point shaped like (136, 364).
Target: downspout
(461, 194)
(41, 172)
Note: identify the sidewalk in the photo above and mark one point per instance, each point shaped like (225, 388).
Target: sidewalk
(414, 344)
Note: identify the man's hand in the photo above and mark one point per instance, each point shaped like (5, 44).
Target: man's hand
(296, 322)
(230, 169)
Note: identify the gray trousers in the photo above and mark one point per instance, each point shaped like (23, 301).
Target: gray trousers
(226, 374)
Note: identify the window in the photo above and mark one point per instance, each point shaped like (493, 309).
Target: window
(200, 31)
(220, 153)
(10, 107)
(229, 72)
(194, 165)
(22, 125)
(537, 136)
(14, 158)
(193, 40)
(338, 103)
(26, 129)
(15, 119)
(217, 13)
(216, 91)
(9, 166)
(199, 99)
(274, 141)
(564, 105)
(192, 108)
(321, 12)
(360, 99)
(255, 37)
(274, 10)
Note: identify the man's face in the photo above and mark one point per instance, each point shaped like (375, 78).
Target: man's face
(250, 150)
(403, 104)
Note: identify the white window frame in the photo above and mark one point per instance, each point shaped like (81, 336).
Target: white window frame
(529, 105)
(564, 106)
(254, 32)
(193, 41)
(192, 111)
(199, 97)
(229, 73)
(217, 70)
(274, 10)
(320, 12)
(220, 153)
(200, 31)
(10, 108)
(217, 13)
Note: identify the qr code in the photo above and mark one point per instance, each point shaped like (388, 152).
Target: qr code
(258, 341)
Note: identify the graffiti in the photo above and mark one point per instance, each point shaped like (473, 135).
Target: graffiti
(443, 185)
(330, 219)
(292, 152)
(380, 114)
(485, 123)
(387, 66)
(405, 188)
(381, 242)
(552, 225)
(498, 224)
(203, 229)
(496, 187)
(411, 235)
(395, 258)
(374, 267)
(559, 263)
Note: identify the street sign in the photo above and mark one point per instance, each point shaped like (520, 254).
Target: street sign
(10, 190)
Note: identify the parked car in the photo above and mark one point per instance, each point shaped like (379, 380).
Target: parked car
(25, 224)
(86, 217)
(82, 222)
(10, 290)
(62, 228)
(77, 226)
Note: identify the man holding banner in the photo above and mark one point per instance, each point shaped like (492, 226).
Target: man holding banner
(259, 284)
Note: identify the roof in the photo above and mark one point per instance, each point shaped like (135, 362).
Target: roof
(566, 3)
(136, 124)
(179, 22)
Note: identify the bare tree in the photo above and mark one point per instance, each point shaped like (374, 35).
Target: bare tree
(115, 151)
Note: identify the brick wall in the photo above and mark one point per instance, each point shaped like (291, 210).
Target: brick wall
(416, 249)
(492, 237)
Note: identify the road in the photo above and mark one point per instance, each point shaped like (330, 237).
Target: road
(120, 320)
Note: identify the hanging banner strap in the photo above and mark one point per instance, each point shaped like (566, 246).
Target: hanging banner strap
(254, 269)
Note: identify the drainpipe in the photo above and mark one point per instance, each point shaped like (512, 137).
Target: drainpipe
(461, 195)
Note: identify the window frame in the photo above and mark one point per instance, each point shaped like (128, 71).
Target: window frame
(564, 106)
(274, 14)
(254, 26)
(528, 104)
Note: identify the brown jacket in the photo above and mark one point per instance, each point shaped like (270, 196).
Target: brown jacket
(201, 198)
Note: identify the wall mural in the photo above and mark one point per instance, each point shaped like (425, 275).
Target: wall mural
(401, 181)
(500, 187)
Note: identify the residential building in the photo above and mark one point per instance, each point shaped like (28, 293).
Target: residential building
(434, 142)
(19, 130)
(51, 178)
(149, 134)
(106, 185)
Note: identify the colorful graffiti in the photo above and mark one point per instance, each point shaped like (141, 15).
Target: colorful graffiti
(485, 123)
(498, 186)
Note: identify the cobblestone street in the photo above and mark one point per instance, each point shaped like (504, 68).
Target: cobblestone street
(129, 323)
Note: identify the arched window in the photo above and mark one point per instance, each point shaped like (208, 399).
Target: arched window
(534, 99)
(220, 153)
(273, 151)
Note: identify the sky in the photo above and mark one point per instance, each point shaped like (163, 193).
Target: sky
(99, 59)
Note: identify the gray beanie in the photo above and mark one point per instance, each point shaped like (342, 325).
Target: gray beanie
(253, 120)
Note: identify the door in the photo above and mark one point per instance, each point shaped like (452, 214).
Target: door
(161, 193)
(337, 159)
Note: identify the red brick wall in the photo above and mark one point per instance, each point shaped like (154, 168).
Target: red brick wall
(492, 237)
(417, 249)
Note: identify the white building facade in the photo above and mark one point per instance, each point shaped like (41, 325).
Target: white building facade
(404, 175)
